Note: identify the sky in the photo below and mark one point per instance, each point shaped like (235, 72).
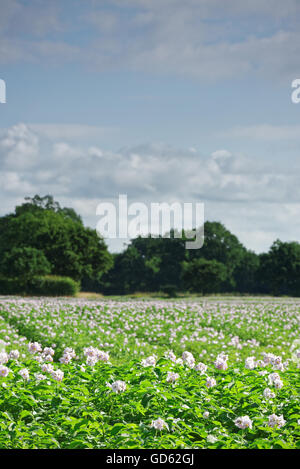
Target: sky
(162, 100)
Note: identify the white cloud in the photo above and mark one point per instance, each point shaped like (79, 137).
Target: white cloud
(70, 131)
(264, 132)
(205, 39)
(142, 170)
(248, 198)
(19, 148)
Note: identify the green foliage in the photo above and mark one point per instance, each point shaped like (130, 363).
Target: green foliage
(42, 237)
(48, 285)
(82, 411)
(246, 273)
(24, 263)
(11, 286)
(222, 246)
(223, 264)
(170, 290)
(51, 285)
(149, 264)
(279, 271)
(203, 276)
(70, 248)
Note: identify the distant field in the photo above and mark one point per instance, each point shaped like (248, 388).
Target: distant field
(213, 360)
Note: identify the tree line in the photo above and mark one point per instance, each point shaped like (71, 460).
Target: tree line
(43, 238)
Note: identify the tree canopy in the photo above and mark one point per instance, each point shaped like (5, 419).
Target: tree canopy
(41, 237)
(70, 248)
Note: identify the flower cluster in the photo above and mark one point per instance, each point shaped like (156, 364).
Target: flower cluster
(34, 347)
(159, 424)
(149, 361)
(201, 367)
(3, 358)
(274, 360)
(4, 371)
(172, 377)
(117, 386)
(188, 359)
(67, 356)
(274, 379)
(24, 373)
(276, 421)
(93, 355)
(268, 394)
(243, 422)
(221, 362)
(210, 382)
(250, 363)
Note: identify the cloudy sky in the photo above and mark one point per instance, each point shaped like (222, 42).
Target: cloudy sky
(163, 100)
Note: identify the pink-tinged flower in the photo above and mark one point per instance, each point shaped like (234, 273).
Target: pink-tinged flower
(206, 414)
(91, 361)
(103, 356)
(210, 382)
(94, 355)
(48, 351)
(90, 352)
(274, 379)
(188, 359)
(3, 358)
(57, 375)
(201, 367)
(70, 351)
(14, 355)
(117, 386)
(278, 384)
(159, 424)
(48, 358)
(150, 361)
(278, 366)
(24, 373)
(268, 357)
(243, 422)
(170, 356)
(66, 358)
(268, 394)
(4, 371)
(40, 376)
(34, 347)
(47, 368)
(221, 362)
(276, 421)
(260, 363)
(250, 363)
(172, 377)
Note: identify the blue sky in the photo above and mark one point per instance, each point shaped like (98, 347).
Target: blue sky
(162, 100)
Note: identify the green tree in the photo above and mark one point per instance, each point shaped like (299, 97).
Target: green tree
(279, 272)
(127, 275)
(72, 249)
(246, 272)
(203, 276)
(24, 263)
(37, 204)
(220, 245)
